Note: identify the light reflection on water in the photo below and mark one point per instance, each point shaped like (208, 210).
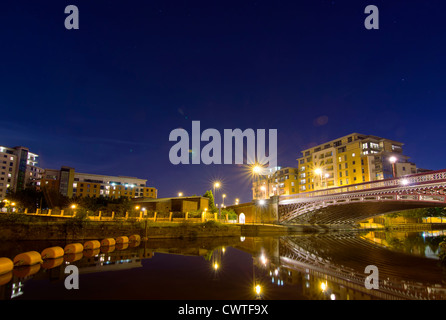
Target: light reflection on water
(301, 267)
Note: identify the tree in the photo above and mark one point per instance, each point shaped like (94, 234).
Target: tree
(210, 195)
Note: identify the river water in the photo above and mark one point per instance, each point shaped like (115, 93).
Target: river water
(300, 267)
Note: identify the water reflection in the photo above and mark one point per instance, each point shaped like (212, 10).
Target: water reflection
(315, 267)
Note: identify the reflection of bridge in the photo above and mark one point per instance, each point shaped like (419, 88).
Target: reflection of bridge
(330, 258)
(353, 203)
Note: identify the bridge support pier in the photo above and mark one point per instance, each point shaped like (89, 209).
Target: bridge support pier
(266, 210)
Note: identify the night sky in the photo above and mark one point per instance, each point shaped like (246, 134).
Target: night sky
(103, 99)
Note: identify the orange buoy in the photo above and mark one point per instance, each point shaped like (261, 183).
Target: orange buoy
(92, 245)
(6, 265)
(74, 248)
(121, 240)
(135, 238)
(108, 242)
(52, 253)
(27, 258)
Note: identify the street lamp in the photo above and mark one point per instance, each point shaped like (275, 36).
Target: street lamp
(223, 196)
(256, 172)
(216, 186)
(180, 194)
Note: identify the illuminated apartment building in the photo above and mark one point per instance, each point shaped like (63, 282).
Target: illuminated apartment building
(352, 159)
(275, 181)
(94, 185)
(74, 184)
(18, 169)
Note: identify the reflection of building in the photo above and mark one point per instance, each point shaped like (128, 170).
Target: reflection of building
(275, 181)
(70, 183)
(18, 169)
(351, 159)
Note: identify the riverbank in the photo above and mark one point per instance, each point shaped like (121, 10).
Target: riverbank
(70, 230)
(16, 228)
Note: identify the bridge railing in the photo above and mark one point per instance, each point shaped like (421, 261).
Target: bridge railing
(409, 180)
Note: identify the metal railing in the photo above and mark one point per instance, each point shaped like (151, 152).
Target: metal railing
(409, 180)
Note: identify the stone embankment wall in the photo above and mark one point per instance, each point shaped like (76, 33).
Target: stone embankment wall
(64, 230)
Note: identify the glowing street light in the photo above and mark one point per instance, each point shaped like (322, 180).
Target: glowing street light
(256, 169)
(180, 194)
(73, 206)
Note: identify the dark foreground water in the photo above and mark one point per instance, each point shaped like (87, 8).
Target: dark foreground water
(304, 267)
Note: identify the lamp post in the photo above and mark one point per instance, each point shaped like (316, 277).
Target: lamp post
(216, 186)
(256, 171)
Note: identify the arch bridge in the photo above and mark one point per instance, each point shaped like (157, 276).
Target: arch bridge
(354, 203)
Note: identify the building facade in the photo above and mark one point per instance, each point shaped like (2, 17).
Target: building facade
(275, 181)
(19, 169)
(74, 184)
(352, 159)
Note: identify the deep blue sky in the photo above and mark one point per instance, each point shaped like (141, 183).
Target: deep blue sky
(104, 98)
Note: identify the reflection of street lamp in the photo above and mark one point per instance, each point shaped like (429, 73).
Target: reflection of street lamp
(258, 289)
(73, 206)
(392, 161)
(318, 171)
(263, 188)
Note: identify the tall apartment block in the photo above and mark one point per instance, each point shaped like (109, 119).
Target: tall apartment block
(352, 159)
(18, 169)
(74, 184)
